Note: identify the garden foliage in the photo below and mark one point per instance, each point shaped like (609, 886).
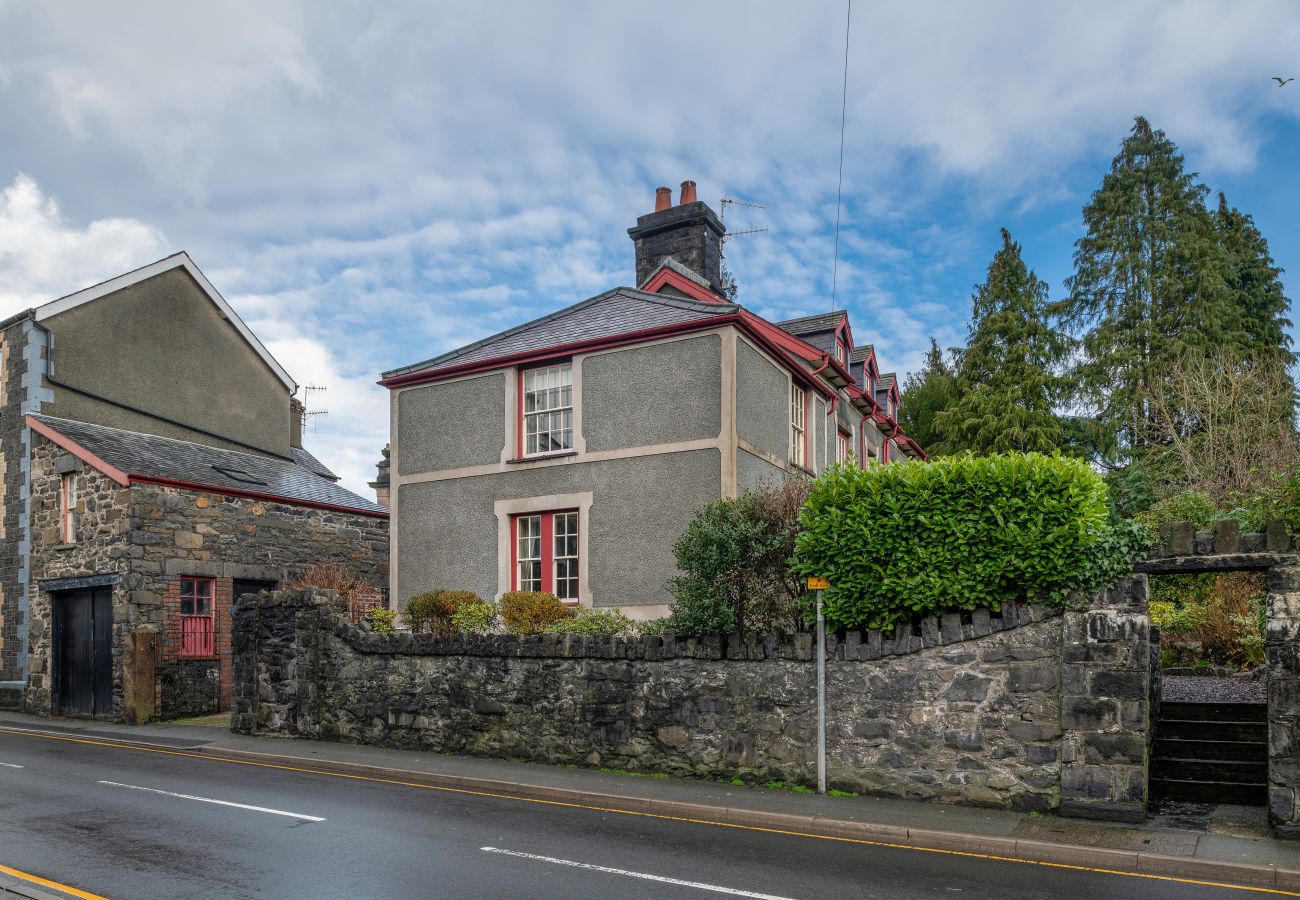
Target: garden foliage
(435, 611)
(529, 612)
(594, 621)
(735, 563)
(479, 618)
(914, 539)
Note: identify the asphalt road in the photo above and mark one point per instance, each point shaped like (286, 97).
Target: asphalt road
(124, 823)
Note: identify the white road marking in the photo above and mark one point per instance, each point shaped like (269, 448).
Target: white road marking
(717, 889)
(11, 765)
(274, 812)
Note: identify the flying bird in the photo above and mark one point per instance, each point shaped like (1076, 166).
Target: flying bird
(1281, 82)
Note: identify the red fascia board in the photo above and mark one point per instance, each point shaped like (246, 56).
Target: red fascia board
(253, 495)
(78, 451)
(559, 350)
(666, 276)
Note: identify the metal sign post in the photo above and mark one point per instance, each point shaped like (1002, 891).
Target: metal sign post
(817, 585)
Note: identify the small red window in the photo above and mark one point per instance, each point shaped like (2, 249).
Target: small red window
(196, 616)
(544, 551)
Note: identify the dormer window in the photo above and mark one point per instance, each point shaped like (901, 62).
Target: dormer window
(841, 352)
(546, 410)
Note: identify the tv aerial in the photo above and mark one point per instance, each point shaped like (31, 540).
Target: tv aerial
(731, 201)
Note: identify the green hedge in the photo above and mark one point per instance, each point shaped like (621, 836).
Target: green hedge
(914, 539)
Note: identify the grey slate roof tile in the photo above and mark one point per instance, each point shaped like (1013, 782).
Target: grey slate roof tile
(813, 324)
(151, 456)
(614, 312)
(311, 464)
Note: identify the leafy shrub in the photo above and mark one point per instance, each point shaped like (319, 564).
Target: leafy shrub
(594, 621)
(435, 610)
(478, 617)
(1210, 619)
(380, 619)
(654, 626)
(529, 612)
(735, 562)
(914, 539)
(1186, 506)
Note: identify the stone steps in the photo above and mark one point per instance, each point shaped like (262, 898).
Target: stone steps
(1211, 753)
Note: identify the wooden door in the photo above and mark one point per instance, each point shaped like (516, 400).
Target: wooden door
(83, 652)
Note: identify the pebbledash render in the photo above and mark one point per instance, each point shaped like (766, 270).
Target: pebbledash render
(569, 453)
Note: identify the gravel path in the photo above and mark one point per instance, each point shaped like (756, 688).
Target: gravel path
(1198, 689)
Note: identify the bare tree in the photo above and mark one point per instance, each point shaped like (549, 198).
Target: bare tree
(1228, 426)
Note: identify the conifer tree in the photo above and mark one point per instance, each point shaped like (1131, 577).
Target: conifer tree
(925, 394)
(1255, 283)
(1007, 384)
(1150, 284)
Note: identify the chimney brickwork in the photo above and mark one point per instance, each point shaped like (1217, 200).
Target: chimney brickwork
(689, 232)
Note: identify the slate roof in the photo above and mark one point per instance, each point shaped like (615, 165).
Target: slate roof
(813, 324)
(311, 464)
(887, 381)
(860, 354)
(612, 313)
(150, 456)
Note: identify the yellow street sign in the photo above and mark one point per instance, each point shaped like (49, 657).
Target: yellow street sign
(817, 584)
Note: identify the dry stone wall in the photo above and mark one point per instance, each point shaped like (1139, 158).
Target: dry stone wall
(961, 709)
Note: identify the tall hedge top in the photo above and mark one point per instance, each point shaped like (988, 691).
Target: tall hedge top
(915, 539)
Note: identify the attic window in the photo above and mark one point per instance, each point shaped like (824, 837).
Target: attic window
(239, 475)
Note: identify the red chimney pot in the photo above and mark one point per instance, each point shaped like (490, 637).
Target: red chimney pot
(688, 192)
(663, 198)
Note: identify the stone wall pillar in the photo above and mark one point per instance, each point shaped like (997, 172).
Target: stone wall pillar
(1106, 705)
(1283, 655)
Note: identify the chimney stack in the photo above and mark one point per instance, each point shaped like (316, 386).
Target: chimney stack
(297, 413)
(689, 232)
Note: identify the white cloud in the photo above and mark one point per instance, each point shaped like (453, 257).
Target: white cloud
(42, 256)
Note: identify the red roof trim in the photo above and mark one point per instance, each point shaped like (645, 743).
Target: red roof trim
(254, 495)
(78, 451)
(666, 276)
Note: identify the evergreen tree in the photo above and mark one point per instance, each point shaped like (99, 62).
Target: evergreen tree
(1007, 384)
(1255, 283)
(925, 394)
(1150, 284)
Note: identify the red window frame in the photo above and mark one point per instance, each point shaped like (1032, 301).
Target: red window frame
(549, 577)
(67, 508)
(198, 607)
(521, 413)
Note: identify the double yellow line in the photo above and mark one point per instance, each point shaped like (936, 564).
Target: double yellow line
(603, 809)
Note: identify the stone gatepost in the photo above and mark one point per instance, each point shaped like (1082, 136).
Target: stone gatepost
(1105, 705)
(1283, 654)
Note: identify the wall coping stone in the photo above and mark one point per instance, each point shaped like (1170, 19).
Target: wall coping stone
(853, 646)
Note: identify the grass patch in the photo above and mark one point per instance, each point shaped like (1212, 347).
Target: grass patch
(609, 771)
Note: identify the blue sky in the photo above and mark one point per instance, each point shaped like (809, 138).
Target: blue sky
(372, 184)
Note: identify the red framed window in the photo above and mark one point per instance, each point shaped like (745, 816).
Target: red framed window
(68, 508)
(544, 553)
(197, 609)
(546, 410)
(843, 447)
(798, 426)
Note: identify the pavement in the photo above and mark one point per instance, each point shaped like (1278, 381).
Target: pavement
(111, 811)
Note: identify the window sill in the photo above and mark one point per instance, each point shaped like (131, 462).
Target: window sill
(804, 469)
(542, 456)
(63, 547)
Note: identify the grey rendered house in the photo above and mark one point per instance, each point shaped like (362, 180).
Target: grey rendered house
(569, 453)
(151, 468)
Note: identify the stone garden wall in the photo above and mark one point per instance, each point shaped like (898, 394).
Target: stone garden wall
(1027, 709)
